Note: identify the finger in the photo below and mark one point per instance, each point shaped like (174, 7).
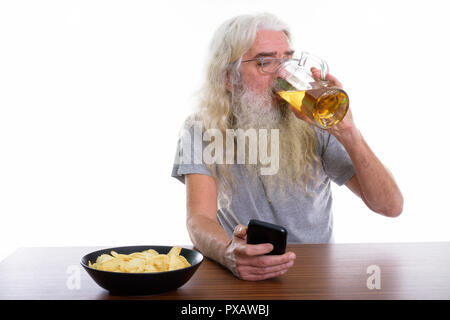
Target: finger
(317, 76)
(300, 115)
(245, 270)
(258, 277)
(267, 260)
(240, 231)
(297, 112)
(334, 81)
(316, 73)
(254, 249)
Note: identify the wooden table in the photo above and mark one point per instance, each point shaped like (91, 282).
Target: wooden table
(332, 271)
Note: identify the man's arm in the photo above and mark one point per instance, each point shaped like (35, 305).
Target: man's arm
(204, 229)
(246, 261)
(372, 180)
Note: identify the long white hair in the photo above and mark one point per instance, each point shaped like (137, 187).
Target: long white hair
(215, 109)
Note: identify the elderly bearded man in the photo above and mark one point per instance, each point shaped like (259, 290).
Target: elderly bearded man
(222, 197)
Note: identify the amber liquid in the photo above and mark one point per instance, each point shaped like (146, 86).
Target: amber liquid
(325, 106)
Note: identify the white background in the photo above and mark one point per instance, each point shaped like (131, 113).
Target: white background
(93, 94)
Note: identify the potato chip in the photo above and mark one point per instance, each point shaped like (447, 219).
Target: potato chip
(112, 265)
(103, 258)
(151, 252)
(175, 251)
(175, 263)
(138, 255)
(121, 256)
(161, 262)
(184, 261)
(134, 265)
(138, 262)
(150, 268)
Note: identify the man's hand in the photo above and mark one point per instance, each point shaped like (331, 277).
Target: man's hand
(345, 125)
(248, 261)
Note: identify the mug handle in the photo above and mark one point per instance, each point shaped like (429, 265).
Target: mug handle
(308, 59)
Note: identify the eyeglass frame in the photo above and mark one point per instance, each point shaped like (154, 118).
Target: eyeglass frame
(261, 59)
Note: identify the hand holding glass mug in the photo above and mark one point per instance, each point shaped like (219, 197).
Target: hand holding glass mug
(314, 95)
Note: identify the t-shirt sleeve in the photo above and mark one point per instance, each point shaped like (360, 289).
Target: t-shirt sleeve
(335, 160)
(188, 156)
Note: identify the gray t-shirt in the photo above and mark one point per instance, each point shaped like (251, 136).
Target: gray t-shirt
(307, 219)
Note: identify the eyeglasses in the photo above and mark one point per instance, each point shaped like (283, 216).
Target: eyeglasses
(270, 65)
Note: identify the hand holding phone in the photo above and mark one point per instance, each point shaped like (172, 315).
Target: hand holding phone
(264, 232)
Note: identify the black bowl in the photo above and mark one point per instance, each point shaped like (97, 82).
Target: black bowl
(120, 283)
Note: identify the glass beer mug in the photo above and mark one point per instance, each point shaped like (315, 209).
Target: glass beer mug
(320, 101)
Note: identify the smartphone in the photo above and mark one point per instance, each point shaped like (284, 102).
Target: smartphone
(265, 232)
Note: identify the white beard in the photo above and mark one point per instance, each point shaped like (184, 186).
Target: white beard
(252, 110)
(261, 111)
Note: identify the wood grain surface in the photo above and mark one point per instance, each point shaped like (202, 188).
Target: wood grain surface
(321, 271)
